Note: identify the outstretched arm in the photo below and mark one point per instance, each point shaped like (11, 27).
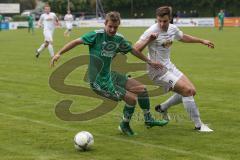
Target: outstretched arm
(139, 47)
(141, 56)
(57, 22)
(190, 39)
(39, 23)
(66, 48)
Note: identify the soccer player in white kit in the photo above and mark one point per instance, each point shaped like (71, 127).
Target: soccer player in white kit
(159, 38)
(68, 18)
(49, 21)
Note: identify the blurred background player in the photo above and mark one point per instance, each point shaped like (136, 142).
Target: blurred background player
(159, 38)
(221, 16)
(30, 23)
(68, 18)
(1, 19)
(104, 44)
(49, 21)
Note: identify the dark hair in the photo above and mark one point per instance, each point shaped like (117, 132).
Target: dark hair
(113, 16)
(164, 10)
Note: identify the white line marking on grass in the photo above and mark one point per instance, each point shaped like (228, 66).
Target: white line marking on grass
(117, 139)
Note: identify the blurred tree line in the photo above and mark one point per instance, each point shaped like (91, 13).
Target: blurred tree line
(60, 6)
(204, 8)
(24, 4)
(139, 8)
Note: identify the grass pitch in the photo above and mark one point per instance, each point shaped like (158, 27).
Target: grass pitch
(30, 130)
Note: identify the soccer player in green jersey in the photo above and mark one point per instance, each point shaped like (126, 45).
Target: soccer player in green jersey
(221, 19)
(104, 44)
(30, 24)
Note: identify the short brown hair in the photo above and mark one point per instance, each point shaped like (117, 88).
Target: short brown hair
(46, 5)
(113, 16)
(164, 10)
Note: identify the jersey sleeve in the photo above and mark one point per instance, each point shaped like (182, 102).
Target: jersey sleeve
(124, 46)
(41, 18)
(89, 38)
(145, 35)
(178, 34)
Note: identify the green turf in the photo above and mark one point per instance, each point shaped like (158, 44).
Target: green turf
(30, 130)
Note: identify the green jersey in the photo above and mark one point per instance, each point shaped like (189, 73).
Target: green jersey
(221, 16)
(103, 49)
(1, 18)
(30, 20)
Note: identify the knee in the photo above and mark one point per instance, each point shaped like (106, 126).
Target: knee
(188, 91)
(132, 101)
(142, 91)
(194, 92)
(46, 44)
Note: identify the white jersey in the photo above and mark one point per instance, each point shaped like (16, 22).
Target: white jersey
(68, 18)
(48, 21)
(158, 49)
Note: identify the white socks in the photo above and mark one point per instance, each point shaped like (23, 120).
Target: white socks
(191, 107)
(173, 100)
(42, 47)
(50, 49)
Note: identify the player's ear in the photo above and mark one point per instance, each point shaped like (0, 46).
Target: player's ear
(106, 22)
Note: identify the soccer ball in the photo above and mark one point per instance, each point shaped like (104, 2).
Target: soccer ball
(83, 140)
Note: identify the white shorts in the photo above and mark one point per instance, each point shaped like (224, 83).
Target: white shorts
(168, 80)
(69, 26)
(48, 35)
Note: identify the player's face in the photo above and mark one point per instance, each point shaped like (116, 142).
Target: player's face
(163, 22)
(111, 27)
(47, 9)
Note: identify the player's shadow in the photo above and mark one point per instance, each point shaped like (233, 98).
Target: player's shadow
(56, 82)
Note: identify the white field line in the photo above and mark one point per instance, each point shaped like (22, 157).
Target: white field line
(163, 147)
